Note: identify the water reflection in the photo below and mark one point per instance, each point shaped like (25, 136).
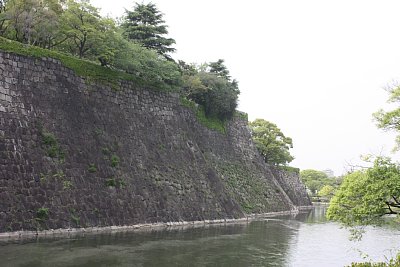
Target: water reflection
(302, 240)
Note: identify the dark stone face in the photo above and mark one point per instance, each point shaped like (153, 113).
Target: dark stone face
(76, 154)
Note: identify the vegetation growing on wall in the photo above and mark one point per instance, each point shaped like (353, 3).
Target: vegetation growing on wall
(251, 194)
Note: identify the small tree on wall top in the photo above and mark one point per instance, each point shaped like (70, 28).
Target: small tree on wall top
(272, 144)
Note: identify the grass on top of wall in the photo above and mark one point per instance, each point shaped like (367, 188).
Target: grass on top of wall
(153, 78)
(81, 67)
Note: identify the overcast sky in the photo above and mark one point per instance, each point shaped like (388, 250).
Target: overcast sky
(315, 68)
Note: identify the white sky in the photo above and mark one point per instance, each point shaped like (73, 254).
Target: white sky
(316, 68)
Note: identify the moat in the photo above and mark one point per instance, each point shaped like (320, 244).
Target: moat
(305, 239)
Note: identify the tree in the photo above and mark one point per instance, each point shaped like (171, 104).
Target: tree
(147, 66)
(34, 22)
(315, 180)
(3, 17)
(272, 144)
(327, 191)
(390, 120)
(211, 88)
(144, 25)
(220, 98)
(85, 29)
(365, 196)
(219, 69)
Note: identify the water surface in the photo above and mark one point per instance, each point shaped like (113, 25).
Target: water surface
(306, 239)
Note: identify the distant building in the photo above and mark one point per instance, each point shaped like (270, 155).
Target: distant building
(329, 173)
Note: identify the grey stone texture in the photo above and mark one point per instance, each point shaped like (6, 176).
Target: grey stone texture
(78, 154)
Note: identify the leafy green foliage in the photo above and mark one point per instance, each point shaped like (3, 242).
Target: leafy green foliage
(81, 67)
(32, 21)
(95, 72)
(327, 191)
(144, 25)
(84, 28)
(218, 68)
(114, 160)
(366, 196)
(67, 184)
(390, 120)
(92, 168)
(241, 115)
(220, 100)
(78, 29)
(51, 145)
(113, 182)
(211, 88)
(394, 262)
(74, 27)
(272, 144)
(146, 66)
(315, 180)
(42, 214)
(213, 123)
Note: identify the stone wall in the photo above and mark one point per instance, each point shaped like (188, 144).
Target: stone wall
(293, 187)
(78, 154)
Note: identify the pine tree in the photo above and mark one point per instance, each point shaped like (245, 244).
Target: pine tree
(144, 25)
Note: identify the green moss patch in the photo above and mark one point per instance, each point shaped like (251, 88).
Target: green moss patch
(212, 123)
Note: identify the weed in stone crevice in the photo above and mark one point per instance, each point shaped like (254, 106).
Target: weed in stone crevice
(67, 185)
(75, 219)
(105, 151)
(92, 168)
(114, 161)
(111, 182)
(118, 183)
(42, 214)
(50, 144)
(98, 132)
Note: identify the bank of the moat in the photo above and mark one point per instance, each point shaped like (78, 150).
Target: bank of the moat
(74, 153)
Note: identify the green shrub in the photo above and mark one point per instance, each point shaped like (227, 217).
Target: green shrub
(67, 185)
(42, 214)
(188, 103)
(114, 161)
(241, 115)
(51, 145)
(394, 262)
(111, 182)
(212, 122)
